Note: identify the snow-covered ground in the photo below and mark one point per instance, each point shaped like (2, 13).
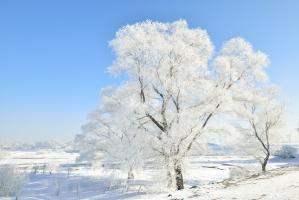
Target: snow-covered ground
(278, 184)
(56, 175)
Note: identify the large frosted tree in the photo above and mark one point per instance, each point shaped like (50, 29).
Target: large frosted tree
(175, 86)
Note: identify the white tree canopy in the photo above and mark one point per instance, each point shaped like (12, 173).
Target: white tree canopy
(175, 87)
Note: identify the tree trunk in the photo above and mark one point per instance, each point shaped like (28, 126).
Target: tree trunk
(264, 164)
(130, 174)
(169, 179)
(178, 176)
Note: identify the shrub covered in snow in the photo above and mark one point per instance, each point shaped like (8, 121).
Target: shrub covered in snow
(11, 181)
(286, 152)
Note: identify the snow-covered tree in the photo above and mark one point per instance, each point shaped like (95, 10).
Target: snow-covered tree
(261, 114)
(112, 132)
(172, 92)
(169, 65)
(11, 181)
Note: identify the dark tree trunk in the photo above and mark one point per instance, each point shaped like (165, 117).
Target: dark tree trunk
(178, 176)
(169, 179)
(130, 174)
(265, 162)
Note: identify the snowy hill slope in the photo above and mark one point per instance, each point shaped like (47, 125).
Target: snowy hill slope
(282, 184)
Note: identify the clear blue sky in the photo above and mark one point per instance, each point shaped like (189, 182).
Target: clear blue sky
(53, 54)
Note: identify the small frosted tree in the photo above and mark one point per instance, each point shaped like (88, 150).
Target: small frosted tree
(112, 133)
(11, 181)
(261, 115)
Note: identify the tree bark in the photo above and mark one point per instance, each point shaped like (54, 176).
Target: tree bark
(265, 162)
(179, 181)
(169, 179)
(130, 174)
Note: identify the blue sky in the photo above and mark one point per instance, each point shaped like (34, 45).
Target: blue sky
(54, 54)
